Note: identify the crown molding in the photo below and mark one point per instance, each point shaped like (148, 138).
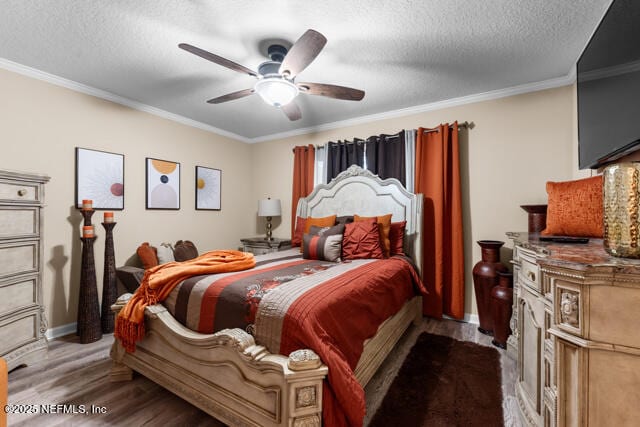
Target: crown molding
(103, 94)
(613, 71)
(568, 79)
(565, 80)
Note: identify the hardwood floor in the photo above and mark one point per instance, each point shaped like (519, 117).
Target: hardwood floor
(76, 375)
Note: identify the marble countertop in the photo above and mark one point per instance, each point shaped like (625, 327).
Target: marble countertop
(573, 255)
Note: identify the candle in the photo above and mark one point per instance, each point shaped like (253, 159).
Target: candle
(87, 231)
(87, 204)
(108, 217)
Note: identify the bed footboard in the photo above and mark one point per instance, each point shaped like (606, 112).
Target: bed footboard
(226, 374)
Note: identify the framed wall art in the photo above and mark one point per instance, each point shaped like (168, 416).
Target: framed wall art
(208, 186)
(100, 178)
(162, 184)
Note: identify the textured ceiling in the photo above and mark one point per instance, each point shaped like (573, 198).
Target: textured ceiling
(401, 53)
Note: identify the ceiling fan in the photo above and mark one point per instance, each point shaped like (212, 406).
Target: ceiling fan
(276, 78)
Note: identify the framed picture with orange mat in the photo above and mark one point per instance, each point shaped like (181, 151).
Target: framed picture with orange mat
(162, 184)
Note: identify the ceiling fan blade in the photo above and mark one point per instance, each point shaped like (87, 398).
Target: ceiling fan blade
(217, 59)
(331, 91)
(231, 96)
(292, 111)
(302, 53)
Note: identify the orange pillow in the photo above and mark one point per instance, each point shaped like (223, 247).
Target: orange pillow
(384, 225)
(575, 208)
(148, 255)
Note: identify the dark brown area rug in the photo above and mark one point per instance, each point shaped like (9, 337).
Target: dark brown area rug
(444, 382)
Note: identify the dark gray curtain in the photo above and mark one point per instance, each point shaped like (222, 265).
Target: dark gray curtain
(343, 154)
(386, 156)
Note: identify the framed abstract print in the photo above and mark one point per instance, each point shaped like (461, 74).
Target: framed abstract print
(99, 178)
(162, 184)
(208, 186)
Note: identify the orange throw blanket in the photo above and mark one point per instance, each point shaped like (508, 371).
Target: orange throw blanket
(159, 281)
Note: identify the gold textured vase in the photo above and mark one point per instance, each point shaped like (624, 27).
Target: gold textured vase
(621, 209)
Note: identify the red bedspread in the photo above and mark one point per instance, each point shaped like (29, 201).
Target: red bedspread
(291, 303)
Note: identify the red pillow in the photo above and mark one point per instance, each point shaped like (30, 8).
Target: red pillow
(575, 208)
(396, 237)
(361, 240)
(384, 224)
(296, 239)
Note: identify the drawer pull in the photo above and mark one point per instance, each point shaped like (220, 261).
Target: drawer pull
(531, 275)
(22, 192)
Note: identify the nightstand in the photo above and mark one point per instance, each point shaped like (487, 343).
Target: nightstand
(260, 245)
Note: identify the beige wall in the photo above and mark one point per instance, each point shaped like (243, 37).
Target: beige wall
(518, 143)
(41, 126)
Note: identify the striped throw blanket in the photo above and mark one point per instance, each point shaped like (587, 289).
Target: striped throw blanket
(159, 281)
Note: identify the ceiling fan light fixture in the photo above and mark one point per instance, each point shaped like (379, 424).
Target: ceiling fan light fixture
(276, 91)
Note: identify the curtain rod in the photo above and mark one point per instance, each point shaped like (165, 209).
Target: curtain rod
(463, 125)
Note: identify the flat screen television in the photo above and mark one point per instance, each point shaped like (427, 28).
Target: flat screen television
(608, 74)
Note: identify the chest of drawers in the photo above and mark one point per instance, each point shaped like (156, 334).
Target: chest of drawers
(576, 334)
(22, 322)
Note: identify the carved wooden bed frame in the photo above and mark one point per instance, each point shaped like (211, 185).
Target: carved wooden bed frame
(239, 382)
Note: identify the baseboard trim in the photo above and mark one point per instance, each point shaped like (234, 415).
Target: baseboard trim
(60, 331)
(468, 318)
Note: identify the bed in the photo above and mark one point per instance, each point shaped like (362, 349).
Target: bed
(243, 382)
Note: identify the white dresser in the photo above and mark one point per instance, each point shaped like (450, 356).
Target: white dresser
(22, 322)
(576, 334)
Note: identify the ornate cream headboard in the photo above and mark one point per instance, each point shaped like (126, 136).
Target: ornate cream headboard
(358, 191)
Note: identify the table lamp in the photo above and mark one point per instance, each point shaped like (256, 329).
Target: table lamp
(269, 208)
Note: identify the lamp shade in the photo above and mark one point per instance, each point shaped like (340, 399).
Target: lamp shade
(269, 207)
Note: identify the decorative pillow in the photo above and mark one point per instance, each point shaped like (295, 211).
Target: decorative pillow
(184, 250)
(148, 255)
(165, 253)
(361, 240)
(326, 221)
(326, 231)
(296, 239)
(326, 247)
(396, 237)
(384, 225)
(345, 219)
(575, 208)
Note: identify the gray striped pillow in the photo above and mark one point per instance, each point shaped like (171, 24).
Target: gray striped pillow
(324, 247)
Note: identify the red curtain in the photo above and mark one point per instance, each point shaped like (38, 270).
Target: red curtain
(438, 179)
(303, 163)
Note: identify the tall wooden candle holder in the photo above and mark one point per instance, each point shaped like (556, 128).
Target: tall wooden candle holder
(109, 287)
(88, 327)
